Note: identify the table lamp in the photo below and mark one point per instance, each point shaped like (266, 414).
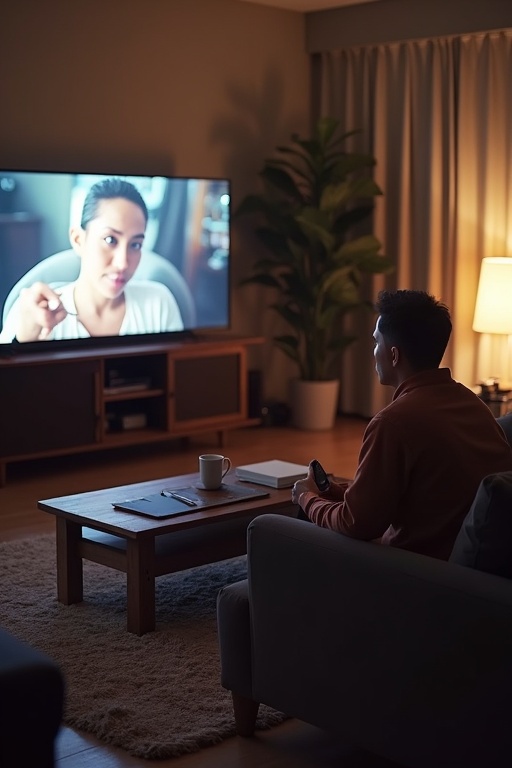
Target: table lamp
(493, 319)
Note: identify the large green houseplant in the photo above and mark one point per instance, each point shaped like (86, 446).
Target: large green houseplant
(315, 197)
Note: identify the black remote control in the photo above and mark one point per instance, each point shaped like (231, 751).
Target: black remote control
(321, 479)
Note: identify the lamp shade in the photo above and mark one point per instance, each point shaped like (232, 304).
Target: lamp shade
(493, 309)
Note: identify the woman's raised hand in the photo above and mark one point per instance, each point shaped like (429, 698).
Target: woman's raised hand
(40, 310)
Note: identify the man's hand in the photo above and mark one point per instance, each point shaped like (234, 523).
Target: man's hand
(336, 490)
(307, 484)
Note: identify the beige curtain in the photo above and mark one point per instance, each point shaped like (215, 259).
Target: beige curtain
(437, 116)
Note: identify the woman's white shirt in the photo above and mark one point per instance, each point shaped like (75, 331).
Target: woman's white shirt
(150, 307)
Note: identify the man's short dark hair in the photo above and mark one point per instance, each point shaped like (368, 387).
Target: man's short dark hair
(416, 323)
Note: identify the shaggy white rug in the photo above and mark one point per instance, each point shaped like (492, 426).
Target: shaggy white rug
(156, 696)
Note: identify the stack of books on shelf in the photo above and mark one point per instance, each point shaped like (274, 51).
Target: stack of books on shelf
(116, 385)
(119, 422)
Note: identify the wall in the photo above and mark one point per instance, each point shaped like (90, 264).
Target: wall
(161, 86)
(187, 87)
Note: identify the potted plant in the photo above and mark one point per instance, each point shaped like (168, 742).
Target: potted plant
(315, 195)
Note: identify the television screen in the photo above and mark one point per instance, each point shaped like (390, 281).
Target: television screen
(87, 259)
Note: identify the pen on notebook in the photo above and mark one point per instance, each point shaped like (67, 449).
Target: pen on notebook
(172, 495)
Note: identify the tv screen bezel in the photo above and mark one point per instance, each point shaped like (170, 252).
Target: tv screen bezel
(90, 343)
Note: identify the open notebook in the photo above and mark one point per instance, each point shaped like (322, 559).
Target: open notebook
(184, 501)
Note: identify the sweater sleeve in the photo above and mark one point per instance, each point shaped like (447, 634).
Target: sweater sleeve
(370, 501)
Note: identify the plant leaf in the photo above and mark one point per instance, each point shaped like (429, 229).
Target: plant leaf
(282, 181)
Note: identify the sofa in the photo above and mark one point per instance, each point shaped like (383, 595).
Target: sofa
(31, 705)
(399, 654)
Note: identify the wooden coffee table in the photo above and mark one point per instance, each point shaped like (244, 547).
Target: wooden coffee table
(89, 528)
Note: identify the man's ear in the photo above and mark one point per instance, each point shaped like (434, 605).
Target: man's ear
(76, 238)
(395, 356)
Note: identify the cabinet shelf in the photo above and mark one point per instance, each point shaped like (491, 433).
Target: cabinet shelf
(134, 394)
(134, 436)
(196, 387)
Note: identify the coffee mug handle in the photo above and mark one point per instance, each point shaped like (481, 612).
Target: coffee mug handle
(226, 463)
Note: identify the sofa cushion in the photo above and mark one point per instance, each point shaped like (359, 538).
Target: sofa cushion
(505, 423)
(484, 541)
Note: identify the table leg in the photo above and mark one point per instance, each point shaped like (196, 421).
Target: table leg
(69, 562)
(140, 577)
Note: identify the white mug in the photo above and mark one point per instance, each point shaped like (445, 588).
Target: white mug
(212, 468)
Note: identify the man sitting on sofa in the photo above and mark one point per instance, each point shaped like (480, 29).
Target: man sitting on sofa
(423, 456)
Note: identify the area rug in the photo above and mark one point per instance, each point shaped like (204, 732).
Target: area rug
(156, 696)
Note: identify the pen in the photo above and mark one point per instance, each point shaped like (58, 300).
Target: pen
(172, 495)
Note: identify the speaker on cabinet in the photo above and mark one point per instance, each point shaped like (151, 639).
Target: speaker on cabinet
(254, 394)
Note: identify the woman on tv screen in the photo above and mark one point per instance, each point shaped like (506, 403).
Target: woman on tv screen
(103, 300)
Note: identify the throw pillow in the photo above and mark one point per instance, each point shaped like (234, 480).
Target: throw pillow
(484, 541)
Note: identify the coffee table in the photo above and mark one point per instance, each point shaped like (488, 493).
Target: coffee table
(89, 528)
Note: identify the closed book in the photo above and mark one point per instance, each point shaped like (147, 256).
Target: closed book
(274, 473)
(134, 421)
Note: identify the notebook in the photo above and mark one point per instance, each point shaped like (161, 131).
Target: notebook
(275, 473)
(163, 504)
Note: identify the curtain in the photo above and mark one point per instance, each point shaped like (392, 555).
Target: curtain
(437, 116)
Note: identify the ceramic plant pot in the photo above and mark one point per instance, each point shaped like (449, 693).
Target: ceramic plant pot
(314, 403)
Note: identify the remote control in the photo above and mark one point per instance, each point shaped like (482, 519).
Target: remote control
(321, 479)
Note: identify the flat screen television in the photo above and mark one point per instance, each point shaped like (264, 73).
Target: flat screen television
(95, 259)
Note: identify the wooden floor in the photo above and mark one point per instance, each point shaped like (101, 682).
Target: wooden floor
(291, 744)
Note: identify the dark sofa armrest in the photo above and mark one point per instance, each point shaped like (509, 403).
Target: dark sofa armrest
(31, 705)
(234, 634)
(382, 645)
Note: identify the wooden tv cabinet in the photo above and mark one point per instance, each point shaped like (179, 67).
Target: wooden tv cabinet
(73, 401)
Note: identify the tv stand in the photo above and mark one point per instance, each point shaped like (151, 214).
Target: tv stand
(74, 401)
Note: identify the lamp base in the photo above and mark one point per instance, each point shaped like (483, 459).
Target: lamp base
(497, 398)
(495, 355)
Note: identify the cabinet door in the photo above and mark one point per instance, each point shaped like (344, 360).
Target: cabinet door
(209, 388)
(48, 407)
